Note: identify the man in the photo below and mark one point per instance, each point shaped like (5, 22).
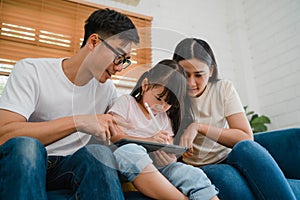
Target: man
(61, 103)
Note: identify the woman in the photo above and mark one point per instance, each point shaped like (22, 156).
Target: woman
(221, 133)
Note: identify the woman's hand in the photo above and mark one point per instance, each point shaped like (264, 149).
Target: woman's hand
(188, 137)
(162, 158)
(189, 134)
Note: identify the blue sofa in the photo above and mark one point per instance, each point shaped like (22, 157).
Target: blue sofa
(239, 189)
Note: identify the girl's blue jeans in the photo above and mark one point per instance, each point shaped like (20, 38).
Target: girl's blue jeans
(26, 173)
(191, 181)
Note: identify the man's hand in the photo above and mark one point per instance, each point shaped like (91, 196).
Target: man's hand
(102, 126)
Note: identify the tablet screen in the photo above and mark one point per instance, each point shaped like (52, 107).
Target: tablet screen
(153, 146)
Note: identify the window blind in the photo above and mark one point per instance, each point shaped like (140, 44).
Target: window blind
(54, 28)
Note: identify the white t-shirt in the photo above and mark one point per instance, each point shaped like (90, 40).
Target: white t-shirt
(39, 90)
(127, 107)
(218, 101)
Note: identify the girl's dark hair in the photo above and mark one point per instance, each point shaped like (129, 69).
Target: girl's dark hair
(107, 23)
(196, 48)
(170, 75)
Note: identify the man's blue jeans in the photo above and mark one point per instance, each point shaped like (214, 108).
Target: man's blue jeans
(89, 173)
(23, 164)
(269, 171)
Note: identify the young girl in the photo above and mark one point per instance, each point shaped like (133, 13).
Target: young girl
(163, 88)
(221, 136)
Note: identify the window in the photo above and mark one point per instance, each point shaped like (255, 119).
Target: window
(54, 28)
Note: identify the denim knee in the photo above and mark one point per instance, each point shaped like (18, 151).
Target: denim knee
(97, 154)
(246, 148)
(28, 152)
(23, 162)
(93, 160)
(131, 159)
(191, 181)
(230, 183)
(250, 158)
(90, 172)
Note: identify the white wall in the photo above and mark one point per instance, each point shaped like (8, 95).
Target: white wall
(273, 35)
(257, 46)
(174, 20)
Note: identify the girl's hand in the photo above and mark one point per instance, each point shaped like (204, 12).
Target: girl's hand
(162, 159)
(161, 137)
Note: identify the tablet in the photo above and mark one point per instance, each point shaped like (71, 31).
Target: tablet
(154, 146)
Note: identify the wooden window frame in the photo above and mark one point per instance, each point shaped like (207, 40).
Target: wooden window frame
(54, 28)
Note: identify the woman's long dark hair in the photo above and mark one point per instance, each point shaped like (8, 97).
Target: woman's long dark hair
(190, 48)
(170, 75)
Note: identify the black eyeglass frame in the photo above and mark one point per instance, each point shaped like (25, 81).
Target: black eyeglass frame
(120, 58)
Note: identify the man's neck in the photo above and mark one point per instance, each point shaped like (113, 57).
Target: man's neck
(74, 70)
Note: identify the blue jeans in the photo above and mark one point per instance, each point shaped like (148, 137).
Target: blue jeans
(191, 181)
(89, 173)
(266, 171)
(23, 164)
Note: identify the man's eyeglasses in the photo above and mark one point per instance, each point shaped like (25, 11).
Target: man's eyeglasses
(120, 58)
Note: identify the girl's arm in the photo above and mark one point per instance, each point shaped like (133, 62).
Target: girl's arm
(160, 136)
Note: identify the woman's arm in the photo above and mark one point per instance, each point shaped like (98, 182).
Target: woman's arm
(239, 129)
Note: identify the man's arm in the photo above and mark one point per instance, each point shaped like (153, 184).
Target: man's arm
(13, 124)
